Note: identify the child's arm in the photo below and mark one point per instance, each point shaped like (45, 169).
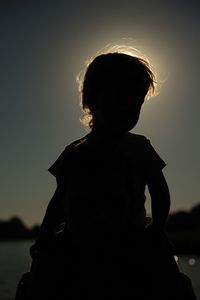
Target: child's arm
(52, 215)
(52, 218)
(160, 200)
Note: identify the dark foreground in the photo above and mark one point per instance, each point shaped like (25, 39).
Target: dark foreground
(139, 268)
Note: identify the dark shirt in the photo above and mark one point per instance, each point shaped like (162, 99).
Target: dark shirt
(104, 178)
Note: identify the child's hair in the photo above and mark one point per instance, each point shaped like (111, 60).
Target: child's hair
(108, 73)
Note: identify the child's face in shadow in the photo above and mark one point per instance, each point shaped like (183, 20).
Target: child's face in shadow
(117, 112)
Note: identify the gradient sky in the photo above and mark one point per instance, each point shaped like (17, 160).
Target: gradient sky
(44, 45)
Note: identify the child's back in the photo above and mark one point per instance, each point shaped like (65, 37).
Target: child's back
(101, 189)
(105, 182)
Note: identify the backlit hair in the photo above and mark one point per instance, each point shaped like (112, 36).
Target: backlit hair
(108, 71)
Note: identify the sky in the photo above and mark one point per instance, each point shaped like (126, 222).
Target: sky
(44, 45)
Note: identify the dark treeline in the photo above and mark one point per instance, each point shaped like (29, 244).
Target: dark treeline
(183, 229)
(183, 220)
(15, 229)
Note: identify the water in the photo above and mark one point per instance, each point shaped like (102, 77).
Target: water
(15, 260)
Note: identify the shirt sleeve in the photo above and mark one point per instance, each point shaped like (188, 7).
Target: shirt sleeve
(153, 162)
(57, 167)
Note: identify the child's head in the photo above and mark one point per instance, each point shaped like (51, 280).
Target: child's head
(114, 88)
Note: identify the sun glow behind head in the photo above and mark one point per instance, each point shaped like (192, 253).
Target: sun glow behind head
(124, 49)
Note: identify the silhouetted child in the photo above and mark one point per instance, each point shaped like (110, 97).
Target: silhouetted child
(100, 195)
(110, 167)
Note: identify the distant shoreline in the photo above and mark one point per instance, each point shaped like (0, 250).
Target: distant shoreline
(183, 230)
(179, 250)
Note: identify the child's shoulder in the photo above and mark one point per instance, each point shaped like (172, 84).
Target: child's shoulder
(135, 145)
(137, 139)
(146, 151)
(69, 149)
